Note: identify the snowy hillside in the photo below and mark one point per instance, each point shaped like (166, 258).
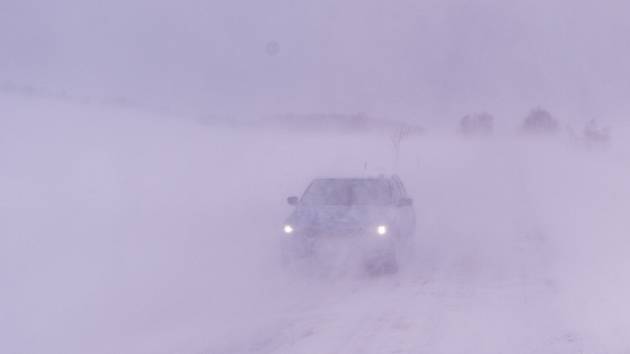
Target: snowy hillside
(123, 233)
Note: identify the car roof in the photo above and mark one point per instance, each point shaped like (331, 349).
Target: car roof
(369, 178)
(393, 182)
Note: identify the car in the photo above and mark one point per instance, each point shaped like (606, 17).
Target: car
(374, 217)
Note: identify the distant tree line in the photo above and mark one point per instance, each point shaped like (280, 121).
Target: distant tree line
(538, 122)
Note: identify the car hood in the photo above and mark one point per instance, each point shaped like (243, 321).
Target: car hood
(329, 218)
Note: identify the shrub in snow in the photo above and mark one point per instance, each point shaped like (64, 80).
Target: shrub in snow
(540, 121)
(595, 133)
(476, 124)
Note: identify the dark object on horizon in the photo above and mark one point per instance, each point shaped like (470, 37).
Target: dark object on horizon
(272, 48)
(476, 124)
(345, 123)
(540, 121)
(594, 133)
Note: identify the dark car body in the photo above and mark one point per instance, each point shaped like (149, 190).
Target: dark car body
(374, 215)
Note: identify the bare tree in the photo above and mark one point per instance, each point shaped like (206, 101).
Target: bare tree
(399, 134)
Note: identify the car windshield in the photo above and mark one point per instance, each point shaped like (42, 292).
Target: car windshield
(348, 192)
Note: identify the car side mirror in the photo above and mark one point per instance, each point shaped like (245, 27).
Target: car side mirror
(403, 202)
(292, 200)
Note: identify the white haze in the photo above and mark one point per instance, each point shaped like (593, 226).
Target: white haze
(423, 60)
(129, 233)
(128, 227)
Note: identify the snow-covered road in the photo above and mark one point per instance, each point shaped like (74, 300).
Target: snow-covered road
(128, 233)
(482, 278)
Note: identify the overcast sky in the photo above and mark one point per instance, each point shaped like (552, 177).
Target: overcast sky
(391, 58)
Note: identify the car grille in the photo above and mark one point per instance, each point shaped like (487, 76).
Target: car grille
(336, 233)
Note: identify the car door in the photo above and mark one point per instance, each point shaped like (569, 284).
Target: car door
(406, 213)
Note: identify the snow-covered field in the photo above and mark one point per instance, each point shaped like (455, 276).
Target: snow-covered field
(128, 233)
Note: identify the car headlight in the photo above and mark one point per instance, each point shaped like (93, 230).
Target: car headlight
(288, 229)
(381, 230)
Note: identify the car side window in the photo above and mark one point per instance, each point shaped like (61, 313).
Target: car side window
(396, 193)
(400, 187)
